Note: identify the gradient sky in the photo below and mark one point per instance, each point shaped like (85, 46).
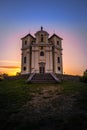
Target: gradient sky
(67, 18)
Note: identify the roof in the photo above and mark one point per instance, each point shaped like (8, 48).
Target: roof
(27, 36)
(55, 36)
(41, 31)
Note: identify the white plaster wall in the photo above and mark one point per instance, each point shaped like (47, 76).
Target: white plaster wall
(36, 61)
(28, 61)
(47, 60)
(51, 60)
(26, 54)
(33, 60)
(36, 58)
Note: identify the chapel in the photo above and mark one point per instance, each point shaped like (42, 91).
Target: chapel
(41, 53)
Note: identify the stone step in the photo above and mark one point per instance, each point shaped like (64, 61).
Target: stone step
(43, 78)
(42, 81)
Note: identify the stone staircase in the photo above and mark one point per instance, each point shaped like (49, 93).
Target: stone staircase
(43, 78)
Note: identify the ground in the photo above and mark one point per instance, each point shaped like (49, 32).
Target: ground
(61, 106)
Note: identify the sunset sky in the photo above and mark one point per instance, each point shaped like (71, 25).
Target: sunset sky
(67, 18)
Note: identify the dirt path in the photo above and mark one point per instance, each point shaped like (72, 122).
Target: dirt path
(47, 106)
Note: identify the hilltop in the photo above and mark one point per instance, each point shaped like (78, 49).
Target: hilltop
(61, 106)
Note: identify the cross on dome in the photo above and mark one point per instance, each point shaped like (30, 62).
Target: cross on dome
(41, 28)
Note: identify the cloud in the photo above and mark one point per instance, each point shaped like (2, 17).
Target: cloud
(9, 61)
(10, 67)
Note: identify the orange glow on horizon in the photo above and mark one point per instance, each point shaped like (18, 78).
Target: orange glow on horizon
(10, 70)
(73, 69)
(9, 61)
(70, 71)
(10, 67)
(73, 57)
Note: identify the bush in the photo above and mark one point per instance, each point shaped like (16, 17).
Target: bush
(84, 79)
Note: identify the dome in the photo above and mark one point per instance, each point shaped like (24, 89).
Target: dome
(41, 32)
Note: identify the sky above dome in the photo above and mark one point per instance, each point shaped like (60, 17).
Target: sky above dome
(66, 18)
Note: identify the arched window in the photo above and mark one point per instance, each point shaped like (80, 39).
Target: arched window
(25, 60)
(24, 68)
(41, 53)
(41, 37)
(58, 59)
(25, 42)
(58, 43)
(58, 68)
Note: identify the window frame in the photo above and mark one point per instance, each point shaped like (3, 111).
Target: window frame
(58, 43)
(58, 59)
(25, 60)
(24, 68)
(41, 53)
(42, 38)
(59, 68)
(25, 43)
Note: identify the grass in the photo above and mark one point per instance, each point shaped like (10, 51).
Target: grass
(43, 106)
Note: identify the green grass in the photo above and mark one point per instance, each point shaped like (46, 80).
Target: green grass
(39, 106)
(79, 90)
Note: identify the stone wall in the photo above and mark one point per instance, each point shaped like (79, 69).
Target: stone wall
(68, 77)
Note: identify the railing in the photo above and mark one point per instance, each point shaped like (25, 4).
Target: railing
(54, 76)
(30, 77)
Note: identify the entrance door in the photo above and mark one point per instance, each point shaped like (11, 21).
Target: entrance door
(42, 68)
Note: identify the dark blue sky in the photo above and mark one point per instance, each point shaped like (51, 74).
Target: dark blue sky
(67, 18)
(66, 12)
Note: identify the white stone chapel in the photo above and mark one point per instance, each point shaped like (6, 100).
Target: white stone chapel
(41, 53)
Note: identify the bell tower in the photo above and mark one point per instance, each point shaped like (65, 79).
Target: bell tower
(41, 36)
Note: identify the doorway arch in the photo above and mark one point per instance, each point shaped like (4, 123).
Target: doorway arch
(41, 67)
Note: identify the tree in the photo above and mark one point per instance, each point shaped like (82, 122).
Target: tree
(18, 73)
(84, 77)
(85, 73)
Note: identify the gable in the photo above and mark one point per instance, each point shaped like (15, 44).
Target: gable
(54, 35)
(28, 35)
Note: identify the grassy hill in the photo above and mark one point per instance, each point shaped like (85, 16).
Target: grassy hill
(60, 106)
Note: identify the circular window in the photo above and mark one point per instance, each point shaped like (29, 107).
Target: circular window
(24, 68)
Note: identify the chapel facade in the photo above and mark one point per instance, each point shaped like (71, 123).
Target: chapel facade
(41, 53)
